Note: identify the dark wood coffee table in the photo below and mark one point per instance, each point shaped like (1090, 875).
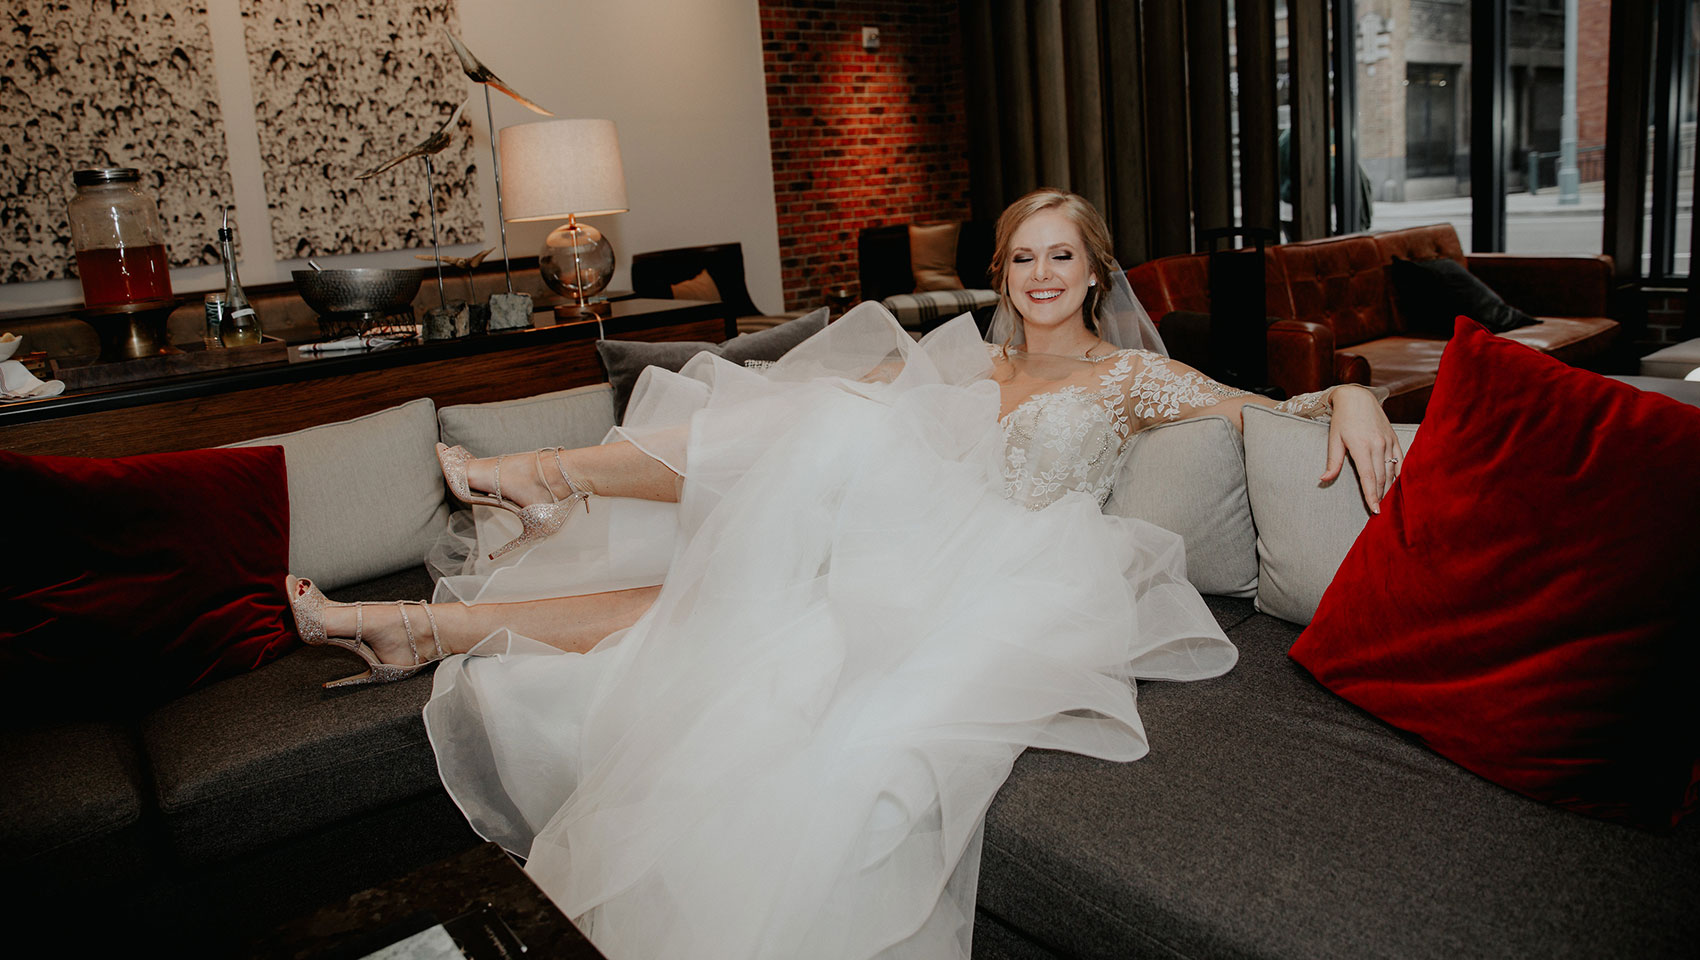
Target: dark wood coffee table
(484, 877)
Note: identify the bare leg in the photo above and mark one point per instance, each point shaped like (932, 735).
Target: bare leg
(610, 470)
(573, 624)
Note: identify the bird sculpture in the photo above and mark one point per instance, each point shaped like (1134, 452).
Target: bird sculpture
(459, 263)
(434, 144)
(478, 73)
(464, 264)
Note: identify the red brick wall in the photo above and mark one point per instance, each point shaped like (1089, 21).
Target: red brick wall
(860, 139)
(1593, 45)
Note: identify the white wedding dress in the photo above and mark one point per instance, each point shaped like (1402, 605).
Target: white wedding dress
(876, 596)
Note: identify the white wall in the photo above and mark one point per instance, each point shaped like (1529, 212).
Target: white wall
(682, 80)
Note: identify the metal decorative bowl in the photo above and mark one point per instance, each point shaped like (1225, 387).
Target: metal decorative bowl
(373, 291)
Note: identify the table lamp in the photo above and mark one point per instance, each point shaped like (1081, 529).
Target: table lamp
(566, 168)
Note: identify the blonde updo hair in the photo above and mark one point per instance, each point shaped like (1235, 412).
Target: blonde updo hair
(1093, 232)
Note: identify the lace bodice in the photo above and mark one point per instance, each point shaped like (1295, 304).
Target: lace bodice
(1072, 440)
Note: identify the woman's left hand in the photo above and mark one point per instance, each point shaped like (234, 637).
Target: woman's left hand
(1357, 428)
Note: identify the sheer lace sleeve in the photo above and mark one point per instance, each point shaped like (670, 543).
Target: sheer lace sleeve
(1159, 389)
(1319, 406)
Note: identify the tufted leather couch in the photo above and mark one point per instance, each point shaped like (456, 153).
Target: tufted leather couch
(1334, 318)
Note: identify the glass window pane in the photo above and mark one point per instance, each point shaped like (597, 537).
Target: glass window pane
(1686, 116)
(1413, 62)
(1555, 196)
(1677, 264)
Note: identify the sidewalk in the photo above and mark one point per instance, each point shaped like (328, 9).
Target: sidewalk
(1534, 224)
(1591, 201)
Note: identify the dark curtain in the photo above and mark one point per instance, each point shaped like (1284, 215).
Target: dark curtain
(1126, 102)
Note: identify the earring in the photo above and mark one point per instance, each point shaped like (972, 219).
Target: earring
(1092, 282)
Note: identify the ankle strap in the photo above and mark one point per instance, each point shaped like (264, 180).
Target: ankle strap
(407, 625)
(436, 635)
(537, 461)
(573, 489)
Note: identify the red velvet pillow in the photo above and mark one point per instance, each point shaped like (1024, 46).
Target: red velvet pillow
(1525, 602)
(134, 579)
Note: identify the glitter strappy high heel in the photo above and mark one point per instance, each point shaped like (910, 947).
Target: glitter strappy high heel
(538, 521)
(309, 607)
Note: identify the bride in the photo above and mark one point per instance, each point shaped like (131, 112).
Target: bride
(754, 700)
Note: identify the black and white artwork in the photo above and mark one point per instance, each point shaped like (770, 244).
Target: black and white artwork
(338, 90)
(108, 85)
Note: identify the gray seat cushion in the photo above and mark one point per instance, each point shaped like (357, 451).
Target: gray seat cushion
(270, 755)
(73, 795)
(1272, 819)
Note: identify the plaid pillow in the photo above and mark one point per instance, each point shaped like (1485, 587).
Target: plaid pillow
(923, 311)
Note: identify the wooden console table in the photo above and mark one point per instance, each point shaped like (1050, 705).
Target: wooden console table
(212, 409)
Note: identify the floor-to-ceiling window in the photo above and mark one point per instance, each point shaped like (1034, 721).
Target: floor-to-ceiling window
(1555, 166)
(1668, 227)
(1412, 62)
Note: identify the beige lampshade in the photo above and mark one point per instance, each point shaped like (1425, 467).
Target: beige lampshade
(554, 168)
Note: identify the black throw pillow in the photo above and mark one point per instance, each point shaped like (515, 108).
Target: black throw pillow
(1433, 293)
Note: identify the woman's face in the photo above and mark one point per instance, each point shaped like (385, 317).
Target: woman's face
(1047, 273)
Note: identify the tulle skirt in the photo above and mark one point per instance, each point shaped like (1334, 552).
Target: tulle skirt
(791, 753)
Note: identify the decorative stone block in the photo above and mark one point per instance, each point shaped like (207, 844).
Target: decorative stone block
(447, 322)
(510, 311)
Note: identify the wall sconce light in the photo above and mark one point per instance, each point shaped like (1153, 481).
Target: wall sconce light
(870, 39)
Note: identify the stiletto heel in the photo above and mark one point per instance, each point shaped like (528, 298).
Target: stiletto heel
(537, 522)
(309, 607)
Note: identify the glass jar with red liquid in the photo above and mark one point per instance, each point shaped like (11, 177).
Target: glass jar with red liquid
(116, 233)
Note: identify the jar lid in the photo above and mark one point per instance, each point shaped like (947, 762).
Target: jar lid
(87, 178)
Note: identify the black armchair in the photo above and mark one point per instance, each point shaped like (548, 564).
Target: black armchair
(883, 258)
(654, 273)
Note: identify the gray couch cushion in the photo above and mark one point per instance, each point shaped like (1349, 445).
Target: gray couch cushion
(365, 495)
(270, 755)
(73, 796)
(1189, 477)
(1303, 530)
(1272, 819)
(580, 417)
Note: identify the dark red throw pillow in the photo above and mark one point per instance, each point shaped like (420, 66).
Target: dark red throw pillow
(131, 580)
(1525, 602)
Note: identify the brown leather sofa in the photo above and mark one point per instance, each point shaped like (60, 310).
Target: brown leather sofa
(1334, 318)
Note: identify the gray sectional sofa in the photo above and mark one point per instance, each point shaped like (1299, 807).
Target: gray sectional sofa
(1271, 819)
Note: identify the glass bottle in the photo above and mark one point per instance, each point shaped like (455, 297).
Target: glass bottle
(116, 234)
(240, 326)
(215, 306)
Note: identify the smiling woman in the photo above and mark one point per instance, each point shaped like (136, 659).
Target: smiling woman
(880, 572)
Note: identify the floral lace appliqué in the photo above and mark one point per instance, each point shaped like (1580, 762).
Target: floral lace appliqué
(1068, 440)
(1159, 391)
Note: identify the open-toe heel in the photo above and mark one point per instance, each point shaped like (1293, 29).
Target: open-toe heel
(309, 606)
(539, 521)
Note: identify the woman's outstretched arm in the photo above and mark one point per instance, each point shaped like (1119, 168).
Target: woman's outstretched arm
(1162, 390)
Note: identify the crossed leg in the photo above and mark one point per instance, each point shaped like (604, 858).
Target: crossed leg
(619, 469)
(573, 624)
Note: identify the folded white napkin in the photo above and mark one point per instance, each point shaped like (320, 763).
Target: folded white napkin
(17, 383)
(351, 343)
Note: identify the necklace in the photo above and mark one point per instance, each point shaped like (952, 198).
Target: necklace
(1086, 356)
